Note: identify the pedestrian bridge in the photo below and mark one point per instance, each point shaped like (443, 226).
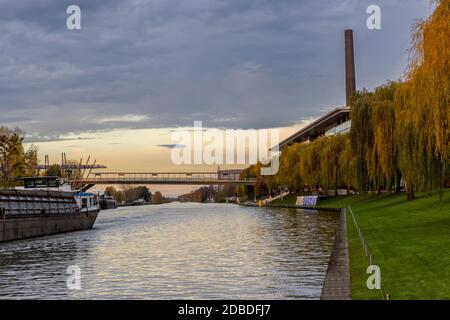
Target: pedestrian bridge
(186, 178)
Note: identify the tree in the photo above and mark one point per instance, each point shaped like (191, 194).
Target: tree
(373, 138)
(54, 170)
(399, 133)
(157, 198)
(14, 160)
(423, 104)
(143, 193)
(110, 191)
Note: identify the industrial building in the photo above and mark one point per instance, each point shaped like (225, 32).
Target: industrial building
(338, 120)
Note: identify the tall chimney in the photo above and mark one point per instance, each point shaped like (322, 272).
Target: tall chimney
(350, 82)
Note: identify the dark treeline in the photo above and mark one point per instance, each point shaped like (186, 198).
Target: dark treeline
(201, 194)
(210, 193)
(399, 133)
(129, 193)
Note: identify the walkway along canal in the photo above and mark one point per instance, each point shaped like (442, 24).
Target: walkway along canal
(337, 280)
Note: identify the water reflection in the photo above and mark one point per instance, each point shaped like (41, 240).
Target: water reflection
(204, 251)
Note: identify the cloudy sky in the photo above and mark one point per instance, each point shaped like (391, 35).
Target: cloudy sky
(149, 65)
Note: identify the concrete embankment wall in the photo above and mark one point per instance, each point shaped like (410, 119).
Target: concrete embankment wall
(292, 206)
(337, 280)
(337, 285)
(13, 227)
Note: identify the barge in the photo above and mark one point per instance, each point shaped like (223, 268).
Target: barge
(45, 206)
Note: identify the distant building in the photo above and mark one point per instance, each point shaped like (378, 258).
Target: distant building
(232, 174)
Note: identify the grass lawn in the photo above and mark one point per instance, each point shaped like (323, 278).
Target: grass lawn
(408, 240)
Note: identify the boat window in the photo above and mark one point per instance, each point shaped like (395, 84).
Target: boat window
(84, 203)
(29, 183)
(52, 183)
(40, 183)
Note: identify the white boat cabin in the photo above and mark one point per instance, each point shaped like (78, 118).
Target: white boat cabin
(86, 201)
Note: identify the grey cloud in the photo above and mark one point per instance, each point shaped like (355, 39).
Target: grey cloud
(40, 139)
(229, 63)
(172, 146)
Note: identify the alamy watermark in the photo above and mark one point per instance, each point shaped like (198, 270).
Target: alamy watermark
(208, 146)
(374, 20)
(73, 21)
(374, 280)
(73, 281)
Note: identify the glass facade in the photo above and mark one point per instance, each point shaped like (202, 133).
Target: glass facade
(342, 128)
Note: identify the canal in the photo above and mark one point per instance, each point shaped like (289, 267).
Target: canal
(178, 251)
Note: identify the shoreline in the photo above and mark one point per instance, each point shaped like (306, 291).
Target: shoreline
(337, 284)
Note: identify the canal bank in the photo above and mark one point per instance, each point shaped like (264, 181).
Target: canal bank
(408, 240)
(337, 282)
(336, 285)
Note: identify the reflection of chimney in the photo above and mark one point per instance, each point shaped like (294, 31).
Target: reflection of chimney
(350, 82)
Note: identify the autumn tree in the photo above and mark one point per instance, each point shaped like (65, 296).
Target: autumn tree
(15, 161)
(423, 102)
(157, 198)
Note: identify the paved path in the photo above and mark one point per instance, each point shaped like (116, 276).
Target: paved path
(337, 280)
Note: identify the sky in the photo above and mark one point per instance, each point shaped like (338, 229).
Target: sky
(136, 70)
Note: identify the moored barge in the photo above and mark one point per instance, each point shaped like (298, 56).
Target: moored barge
(45, 206)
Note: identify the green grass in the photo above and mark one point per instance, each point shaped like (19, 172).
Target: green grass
(408, 240)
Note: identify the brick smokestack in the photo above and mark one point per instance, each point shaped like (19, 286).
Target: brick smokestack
(350, 81)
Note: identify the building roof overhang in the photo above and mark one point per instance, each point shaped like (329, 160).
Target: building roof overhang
(317, 126)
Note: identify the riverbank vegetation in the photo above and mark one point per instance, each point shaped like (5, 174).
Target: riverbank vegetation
(408, 240)
(128, 194)
(210, 194)
(399, 140)
(399, 136)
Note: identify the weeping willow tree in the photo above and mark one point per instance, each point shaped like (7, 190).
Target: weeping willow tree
(372, 138)
(422, 105)
(288, 173)
(347, 161)
(400, 131)
(259, 188)
(329, 151)
(309, 165)
(326, 163)
(361, 137)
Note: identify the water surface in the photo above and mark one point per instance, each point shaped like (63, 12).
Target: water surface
(178, 251)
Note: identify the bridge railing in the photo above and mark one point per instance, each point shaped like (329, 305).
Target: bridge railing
(161, 176)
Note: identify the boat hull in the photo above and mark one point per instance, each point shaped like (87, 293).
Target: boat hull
(19, 226)
(105, 204)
